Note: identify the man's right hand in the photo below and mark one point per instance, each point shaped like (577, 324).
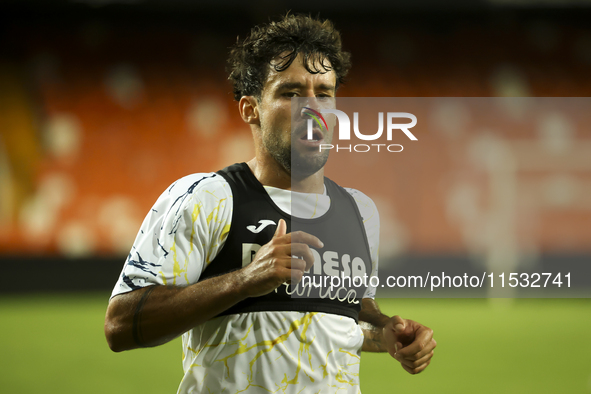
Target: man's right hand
(275, 263)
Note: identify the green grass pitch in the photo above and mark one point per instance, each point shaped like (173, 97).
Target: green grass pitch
(55, 344)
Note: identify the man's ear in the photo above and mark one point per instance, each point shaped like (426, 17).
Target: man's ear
(249, 109)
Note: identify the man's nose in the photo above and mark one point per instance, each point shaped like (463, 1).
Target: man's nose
(310, 101)
(308, 109)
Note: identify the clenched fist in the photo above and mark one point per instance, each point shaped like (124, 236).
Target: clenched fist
(410, 343)
(274, 263)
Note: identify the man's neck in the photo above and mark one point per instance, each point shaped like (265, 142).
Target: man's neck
(270, 173)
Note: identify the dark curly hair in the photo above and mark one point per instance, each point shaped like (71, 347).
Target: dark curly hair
(277, 44)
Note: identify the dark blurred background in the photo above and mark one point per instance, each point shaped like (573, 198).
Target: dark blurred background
(103, 104)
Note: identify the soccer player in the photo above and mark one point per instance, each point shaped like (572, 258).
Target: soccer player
(214, 259)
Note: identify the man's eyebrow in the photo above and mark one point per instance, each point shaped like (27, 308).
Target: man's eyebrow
(325, 86)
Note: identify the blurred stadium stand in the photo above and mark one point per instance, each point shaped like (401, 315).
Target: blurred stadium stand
(104, 104)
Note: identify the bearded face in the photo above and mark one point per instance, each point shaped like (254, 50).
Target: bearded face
(291, 149)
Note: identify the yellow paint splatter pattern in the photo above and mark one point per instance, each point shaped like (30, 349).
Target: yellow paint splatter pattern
(243, 354)
(263, 352)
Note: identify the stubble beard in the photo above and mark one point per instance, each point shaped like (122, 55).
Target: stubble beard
(293, 162)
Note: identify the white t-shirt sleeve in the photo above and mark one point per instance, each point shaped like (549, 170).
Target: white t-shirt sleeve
(371, 221)
(181, 235)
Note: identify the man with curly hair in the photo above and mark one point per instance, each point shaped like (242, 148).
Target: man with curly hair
(216, 262)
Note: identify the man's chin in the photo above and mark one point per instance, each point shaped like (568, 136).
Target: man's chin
(303, 167)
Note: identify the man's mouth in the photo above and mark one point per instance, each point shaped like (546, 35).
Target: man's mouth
(316, 135)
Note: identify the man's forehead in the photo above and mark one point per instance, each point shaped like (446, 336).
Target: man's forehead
(296, 72)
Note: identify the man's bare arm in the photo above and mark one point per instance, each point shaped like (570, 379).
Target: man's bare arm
(407, 341)
(372, 322)
(157, 314)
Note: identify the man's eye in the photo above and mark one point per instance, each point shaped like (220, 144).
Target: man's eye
(290, 94)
